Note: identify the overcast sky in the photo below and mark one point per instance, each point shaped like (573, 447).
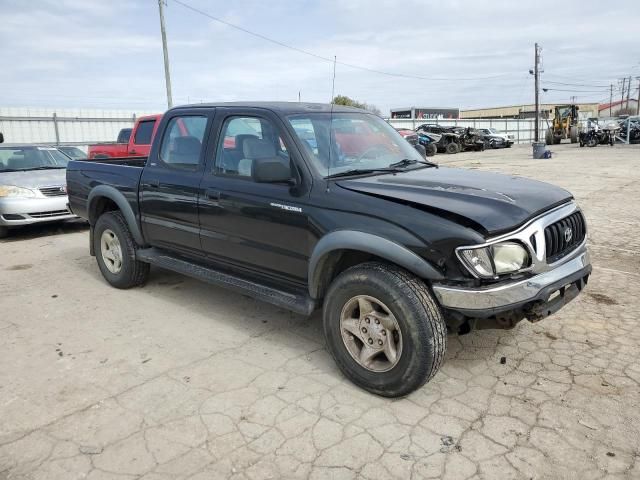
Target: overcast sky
(96, 53)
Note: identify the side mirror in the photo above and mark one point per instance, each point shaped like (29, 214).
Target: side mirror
(421, 150)
(1, 138)
(269, 170)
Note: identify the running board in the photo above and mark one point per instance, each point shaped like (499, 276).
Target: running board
(302, 304)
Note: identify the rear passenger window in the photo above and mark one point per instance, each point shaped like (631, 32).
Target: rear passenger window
(182, 142)
(144, 132)
(247, 141)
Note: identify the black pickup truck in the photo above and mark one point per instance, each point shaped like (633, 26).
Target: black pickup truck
(310, 206)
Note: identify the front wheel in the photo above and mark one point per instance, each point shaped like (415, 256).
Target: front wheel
(116, 252)
(431, 149)
(384, 329)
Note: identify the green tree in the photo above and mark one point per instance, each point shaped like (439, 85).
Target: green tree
(350, 102)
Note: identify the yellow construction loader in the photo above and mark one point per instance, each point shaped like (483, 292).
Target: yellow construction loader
(565, 124)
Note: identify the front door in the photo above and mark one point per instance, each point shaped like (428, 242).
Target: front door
(248, 224)
(170, 183)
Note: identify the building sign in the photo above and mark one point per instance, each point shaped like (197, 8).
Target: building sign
(424, 113)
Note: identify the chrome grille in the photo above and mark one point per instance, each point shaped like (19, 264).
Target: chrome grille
(564, 236)
(57, 191)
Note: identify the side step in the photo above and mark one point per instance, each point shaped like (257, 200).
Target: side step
(302, 303)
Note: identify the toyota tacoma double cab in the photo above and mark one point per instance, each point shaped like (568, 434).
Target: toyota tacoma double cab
(285, 203)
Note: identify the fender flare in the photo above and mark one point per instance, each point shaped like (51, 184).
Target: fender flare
(112, 193)
(369, 243)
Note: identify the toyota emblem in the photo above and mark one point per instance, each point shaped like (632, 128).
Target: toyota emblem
(568, 235)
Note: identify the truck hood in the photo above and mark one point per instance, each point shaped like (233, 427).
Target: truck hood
(35, 178)
(494, 202)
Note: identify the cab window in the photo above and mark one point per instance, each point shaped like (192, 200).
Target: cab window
(247, 142)
(144, 132)
(182, 143)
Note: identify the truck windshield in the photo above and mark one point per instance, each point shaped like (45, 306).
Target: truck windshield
(345, 142)
(31, 158)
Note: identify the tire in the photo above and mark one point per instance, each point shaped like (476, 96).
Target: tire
(4, 232)
(431, 150)
(573, 134)
(131, 272)
(420, 328)
(592, 142)
(452, 148)
(549, 137)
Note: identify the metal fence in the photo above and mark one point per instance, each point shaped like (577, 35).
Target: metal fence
(63, 127)
(523, 130)
(84, 127)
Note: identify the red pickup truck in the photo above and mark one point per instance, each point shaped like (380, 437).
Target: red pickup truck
(138, 145)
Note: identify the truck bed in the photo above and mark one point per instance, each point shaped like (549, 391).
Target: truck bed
(122, 174)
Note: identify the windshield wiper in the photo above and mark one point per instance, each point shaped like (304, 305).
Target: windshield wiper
(44, 167)
(364, 171)
(405, 162)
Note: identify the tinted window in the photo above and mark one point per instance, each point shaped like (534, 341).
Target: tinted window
(246, 141)
(124, 135)
(182, 142)
(144, 132)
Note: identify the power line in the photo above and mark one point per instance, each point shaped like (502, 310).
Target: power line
(327, 59)
(575, 84)
(574, 91)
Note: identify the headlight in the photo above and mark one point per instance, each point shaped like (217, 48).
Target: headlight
(13, 191)
(509, 257)
(488, 262)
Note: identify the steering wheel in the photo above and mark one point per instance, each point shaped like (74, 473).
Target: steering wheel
(374, 148)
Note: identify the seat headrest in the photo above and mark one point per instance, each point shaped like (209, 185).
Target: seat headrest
(256, 148)
(243, 137)
(186, 146)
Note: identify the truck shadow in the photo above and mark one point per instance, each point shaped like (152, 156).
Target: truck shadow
(278, 331)
(39, 230)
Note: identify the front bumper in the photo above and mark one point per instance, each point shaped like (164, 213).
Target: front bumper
(534, 297)
(15, 212)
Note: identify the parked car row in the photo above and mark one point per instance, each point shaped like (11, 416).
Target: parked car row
(445, 139)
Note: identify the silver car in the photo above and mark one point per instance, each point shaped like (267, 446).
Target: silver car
(32, 186)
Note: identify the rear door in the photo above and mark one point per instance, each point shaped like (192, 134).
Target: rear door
(170, 181)
(142, 136)
(262, 227)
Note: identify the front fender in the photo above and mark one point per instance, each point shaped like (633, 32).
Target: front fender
(112, 193)
(368, 243)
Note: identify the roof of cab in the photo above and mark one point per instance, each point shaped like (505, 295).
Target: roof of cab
(285, 108)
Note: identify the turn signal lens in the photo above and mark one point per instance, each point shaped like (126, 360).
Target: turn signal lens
(479, 260)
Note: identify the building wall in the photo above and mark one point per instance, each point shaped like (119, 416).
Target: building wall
(514, 111)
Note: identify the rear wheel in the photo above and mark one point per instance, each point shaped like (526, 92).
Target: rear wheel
(452, 147)
(549, 137)
(116, 252)
(384, 329)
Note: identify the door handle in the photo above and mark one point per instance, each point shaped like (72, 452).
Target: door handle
(154, 183)
(133, 152)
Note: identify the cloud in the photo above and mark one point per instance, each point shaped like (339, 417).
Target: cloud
(85, 53)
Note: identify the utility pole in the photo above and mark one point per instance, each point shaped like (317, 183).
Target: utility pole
(638, 102)
(628, 91)
(610, 99)
(624, 81)
(537, 87)
(167, 77)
